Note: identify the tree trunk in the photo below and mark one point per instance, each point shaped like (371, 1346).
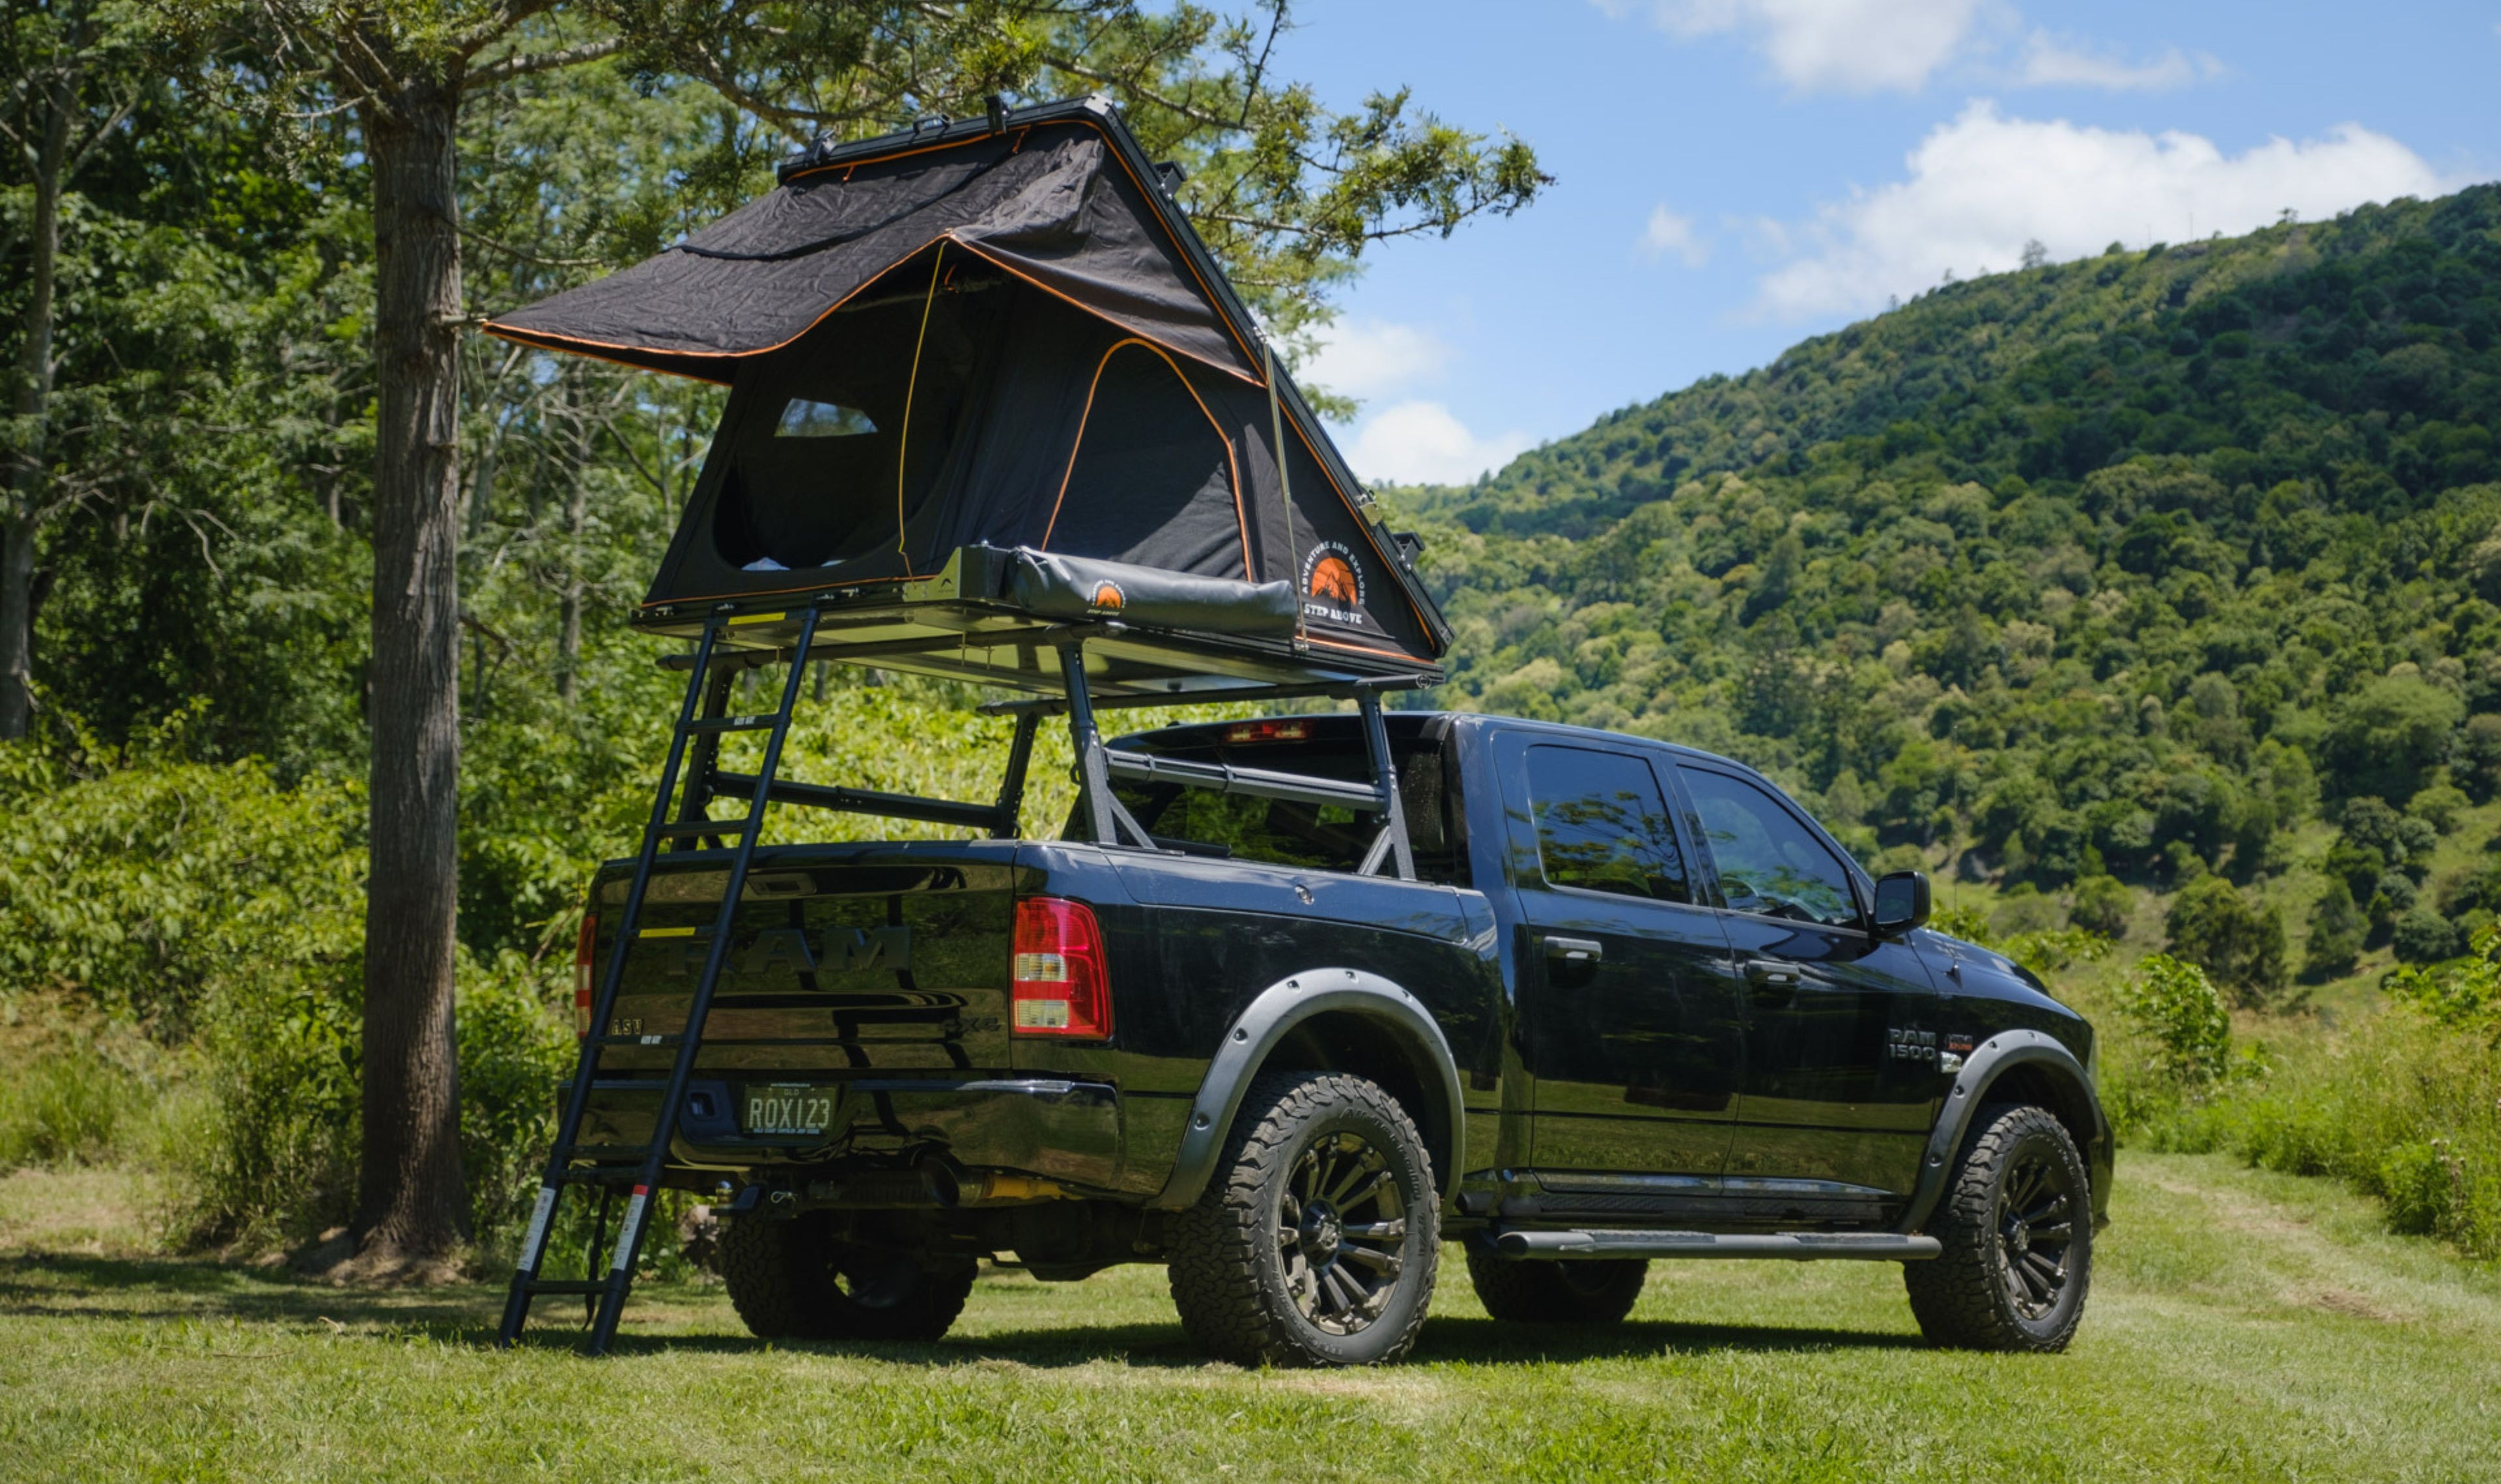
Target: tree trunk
(413, 1204)
(30, 471)
(568, 640)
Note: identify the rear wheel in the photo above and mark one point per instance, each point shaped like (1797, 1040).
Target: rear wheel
(1316, 1241)
(794, 1280)
(2016, 1225)
(1520, 1292)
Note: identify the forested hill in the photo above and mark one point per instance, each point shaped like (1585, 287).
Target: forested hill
(2102, 565)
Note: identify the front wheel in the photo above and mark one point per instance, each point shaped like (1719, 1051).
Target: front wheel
(1521, 1291)
(793, 1279)
(2018, 1229)
(1316, 1241)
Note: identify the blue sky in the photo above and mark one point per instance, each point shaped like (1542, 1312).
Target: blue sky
(1736, 175)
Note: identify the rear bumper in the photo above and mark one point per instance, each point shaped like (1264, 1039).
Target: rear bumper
(1061, 1130)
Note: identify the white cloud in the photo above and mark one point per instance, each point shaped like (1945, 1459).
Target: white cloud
(1667, 231)
(1365, 358)
(2050, 62)
(1840, 45)
(1896, 46)
(1421, 442)
(1982, 184)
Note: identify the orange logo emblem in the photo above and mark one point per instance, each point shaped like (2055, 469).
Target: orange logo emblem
(1108, 598)
(1333, 579)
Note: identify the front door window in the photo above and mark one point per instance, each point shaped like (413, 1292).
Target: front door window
(1769, 864)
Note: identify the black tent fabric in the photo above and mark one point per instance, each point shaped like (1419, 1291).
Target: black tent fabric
(1002, 338)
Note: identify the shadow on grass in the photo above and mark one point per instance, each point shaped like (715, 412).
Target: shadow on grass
(1474, 1341)
(79, 1286)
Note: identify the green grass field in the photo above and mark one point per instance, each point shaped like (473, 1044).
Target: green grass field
(2242, 1325)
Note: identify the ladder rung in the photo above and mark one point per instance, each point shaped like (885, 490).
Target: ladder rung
(753, 722)
(568, 1286)
(689, 828)
(603, 1174)
(634, 1041)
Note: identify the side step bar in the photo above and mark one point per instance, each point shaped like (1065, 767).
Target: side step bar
(1876, 1246)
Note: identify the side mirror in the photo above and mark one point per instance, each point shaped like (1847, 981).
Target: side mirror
(1902, 903)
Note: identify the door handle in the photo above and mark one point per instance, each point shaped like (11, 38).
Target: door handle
(1772, 979)
(1575, 950)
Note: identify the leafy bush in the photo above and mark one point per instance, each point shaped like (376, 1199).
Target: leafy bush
(2103, 904)
(2336, 931)
(2398, 1105)
(2175, 1006)
(2213, 926)
(2463, 993)
(2438, 807)
(2424, 936)
(1968, 923)
(2389, 733)
(223, 914)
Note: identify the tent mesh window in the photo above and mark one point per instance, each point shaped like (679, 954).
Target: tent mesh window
(819, 430)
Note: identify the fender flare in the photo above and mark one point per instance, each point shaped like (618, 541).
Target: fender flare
(1264, 1025)
(1988, 1061)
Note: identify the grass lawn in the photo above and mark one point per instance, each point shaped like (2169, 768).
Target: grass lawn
(2244, 1325)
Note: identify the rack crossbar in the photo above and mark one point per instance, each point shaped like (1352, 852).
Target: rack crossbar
(869, 800)
(1226, 779)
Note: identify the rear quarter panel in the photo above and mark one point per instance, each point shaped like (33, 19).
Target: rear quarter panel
(1193, 940)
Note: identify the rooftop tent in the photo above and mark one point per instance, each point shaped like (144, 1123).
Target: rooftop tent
(996, 339)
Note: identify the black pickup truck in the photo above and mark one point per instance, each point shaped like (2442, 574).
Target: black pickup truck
(1632, 1003)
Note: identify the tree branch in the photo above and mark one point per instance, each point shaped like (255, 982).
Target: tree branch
(523, 64)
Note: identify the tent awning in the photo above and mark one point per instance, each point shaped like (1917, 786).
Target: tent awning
(1052, 203)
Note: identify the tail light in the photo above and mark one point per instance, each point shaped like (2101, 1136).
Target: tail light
(582, 985)
(1269, 731)
(1060, 988)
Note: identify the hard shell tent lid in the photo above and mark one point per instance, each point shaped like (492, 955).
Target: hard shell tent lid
(995, 337)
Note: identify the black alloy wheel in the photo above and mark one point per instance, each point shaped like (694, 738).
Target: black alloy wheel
(2036, 1233)
(2016, 1222)
(1340, 1226)
(1318, 1238)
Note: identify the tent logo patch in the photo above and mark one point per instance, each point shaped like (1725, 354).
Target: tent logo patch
(1333, 584)
(1108, 599)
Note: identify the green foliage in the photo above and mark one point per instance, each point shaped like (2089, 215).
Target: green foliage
(64, 1108)
(2174, 1005)
(2336, 931)
(2103, 568)
(2397, 1105)
(2438, 807)
(2103, 904)
(2212, 925)
(1968, 923)
(2389, 734)
(2423, 935)
(2464, 993)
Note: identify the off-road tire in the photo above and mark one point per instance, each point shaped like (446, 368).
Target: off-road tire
(792, 1280)
(1521, 1292)
(2018, 1187)
(1264, 1239)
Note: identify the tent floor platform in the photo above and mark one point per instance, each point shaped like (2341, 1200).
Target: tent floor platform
(965, 624)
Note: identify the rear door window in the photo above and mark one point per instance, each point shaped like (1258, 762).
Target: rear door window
(1602, 824)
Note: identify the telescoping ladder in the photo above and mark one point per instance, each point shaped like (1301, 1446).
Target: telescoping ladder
(702, 719)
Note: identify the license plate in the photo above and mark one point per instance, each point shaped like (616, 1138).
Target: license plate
(787, 1107)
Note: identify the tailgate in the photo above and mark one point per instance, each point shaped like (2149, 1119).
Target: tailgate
(886, 961)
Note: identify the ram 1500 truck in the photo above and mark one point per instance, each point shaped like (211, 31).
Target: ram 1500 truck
(1633, 1004)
